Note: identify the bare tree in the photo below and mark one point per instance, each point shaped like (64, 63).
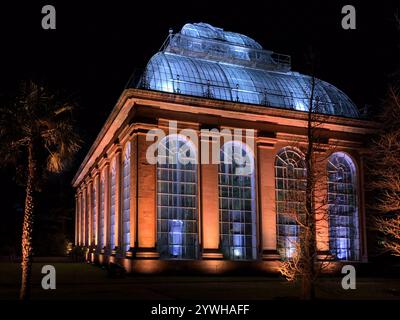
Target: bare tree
(312, 218)
(384, 174)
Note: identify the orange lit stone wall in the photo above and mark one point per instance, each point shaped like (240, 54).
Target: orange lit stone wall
(133, 191)
(275, 131)
(266, 178)
(320, 202)
(146, 201)
(117, 158)
(210, 207)
(106, 173)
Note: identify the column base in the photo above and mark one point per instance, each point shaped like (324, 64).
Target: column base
(325, 256)
(130, 253)
(272, 254)
(147, 253)
(212, 254)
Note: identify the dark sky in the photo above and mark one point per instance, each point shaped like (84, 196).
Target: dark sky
(97, 46)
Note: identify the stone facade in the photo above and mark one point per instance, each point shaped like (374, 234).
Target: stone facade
(139, 111)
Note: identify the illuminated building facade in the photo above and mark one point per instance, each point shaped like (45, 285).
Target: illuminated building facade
(214, 217)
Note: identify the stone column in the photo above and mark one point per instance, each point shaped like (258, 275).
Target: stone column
(209, 201)
(133, 193)
(266, 191)
(118, 199)
(321, 204)
(76, 218)
(147, 202)
(89, 206)
(106, 172)
(80, 217)
(96, 186)
(84, 213)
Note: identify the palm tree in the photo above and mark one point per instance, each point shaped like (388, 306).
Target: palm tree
(37, 130)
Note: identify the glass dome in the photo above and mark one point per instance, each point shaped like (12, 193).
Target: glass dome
(209, 62)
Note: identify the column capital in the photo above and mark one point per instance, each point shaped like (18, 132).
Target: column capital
(87, 179)
(266, 142)
(96, 173)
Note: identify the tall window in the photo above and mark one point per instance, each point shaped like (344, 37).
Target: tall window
(237, 209)
(290, 181)
(126, 167)
(177, 199)
(94, 214)
(342, 202)
(112, 205)
(101, 213)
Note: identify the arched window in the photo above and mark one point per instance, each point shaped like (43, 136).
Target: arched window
(177, 236)
(112, 205)
(101, 213)
(94, 214)
(126, 177)
(342, 202)
(237, 208)
(290, 180)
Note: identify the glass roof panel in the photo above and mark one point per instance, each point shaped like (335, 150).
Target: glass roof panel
(229, 68)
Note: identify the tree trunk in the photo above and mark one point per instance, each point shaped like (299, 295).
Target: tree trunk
(27, 229)
(309, 239)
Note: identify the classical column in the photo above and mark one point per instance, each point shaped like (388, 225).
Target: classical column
(118, 206)
(321, 205)
(96, 202)
(84, 213)
(106, 172)
(209, 201)
(133, 193)
(89, 206)
(266, 192)
(81, 218)
(77, 219)
(147, 214)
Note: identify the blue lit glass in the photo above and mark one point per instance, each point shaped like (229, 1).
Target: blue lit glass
(206, 61)
(177, 236)
(237, 207)
(290, 175)
(344, 239)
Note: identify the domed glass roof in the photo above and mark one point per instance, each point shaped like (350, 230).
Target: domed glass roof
(209, 62)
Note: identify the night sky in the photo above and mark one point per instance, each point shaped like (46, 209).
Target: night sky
(97, 46)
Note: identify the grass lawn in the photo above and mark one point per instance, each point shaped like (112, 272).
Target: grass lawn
(84, 281)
